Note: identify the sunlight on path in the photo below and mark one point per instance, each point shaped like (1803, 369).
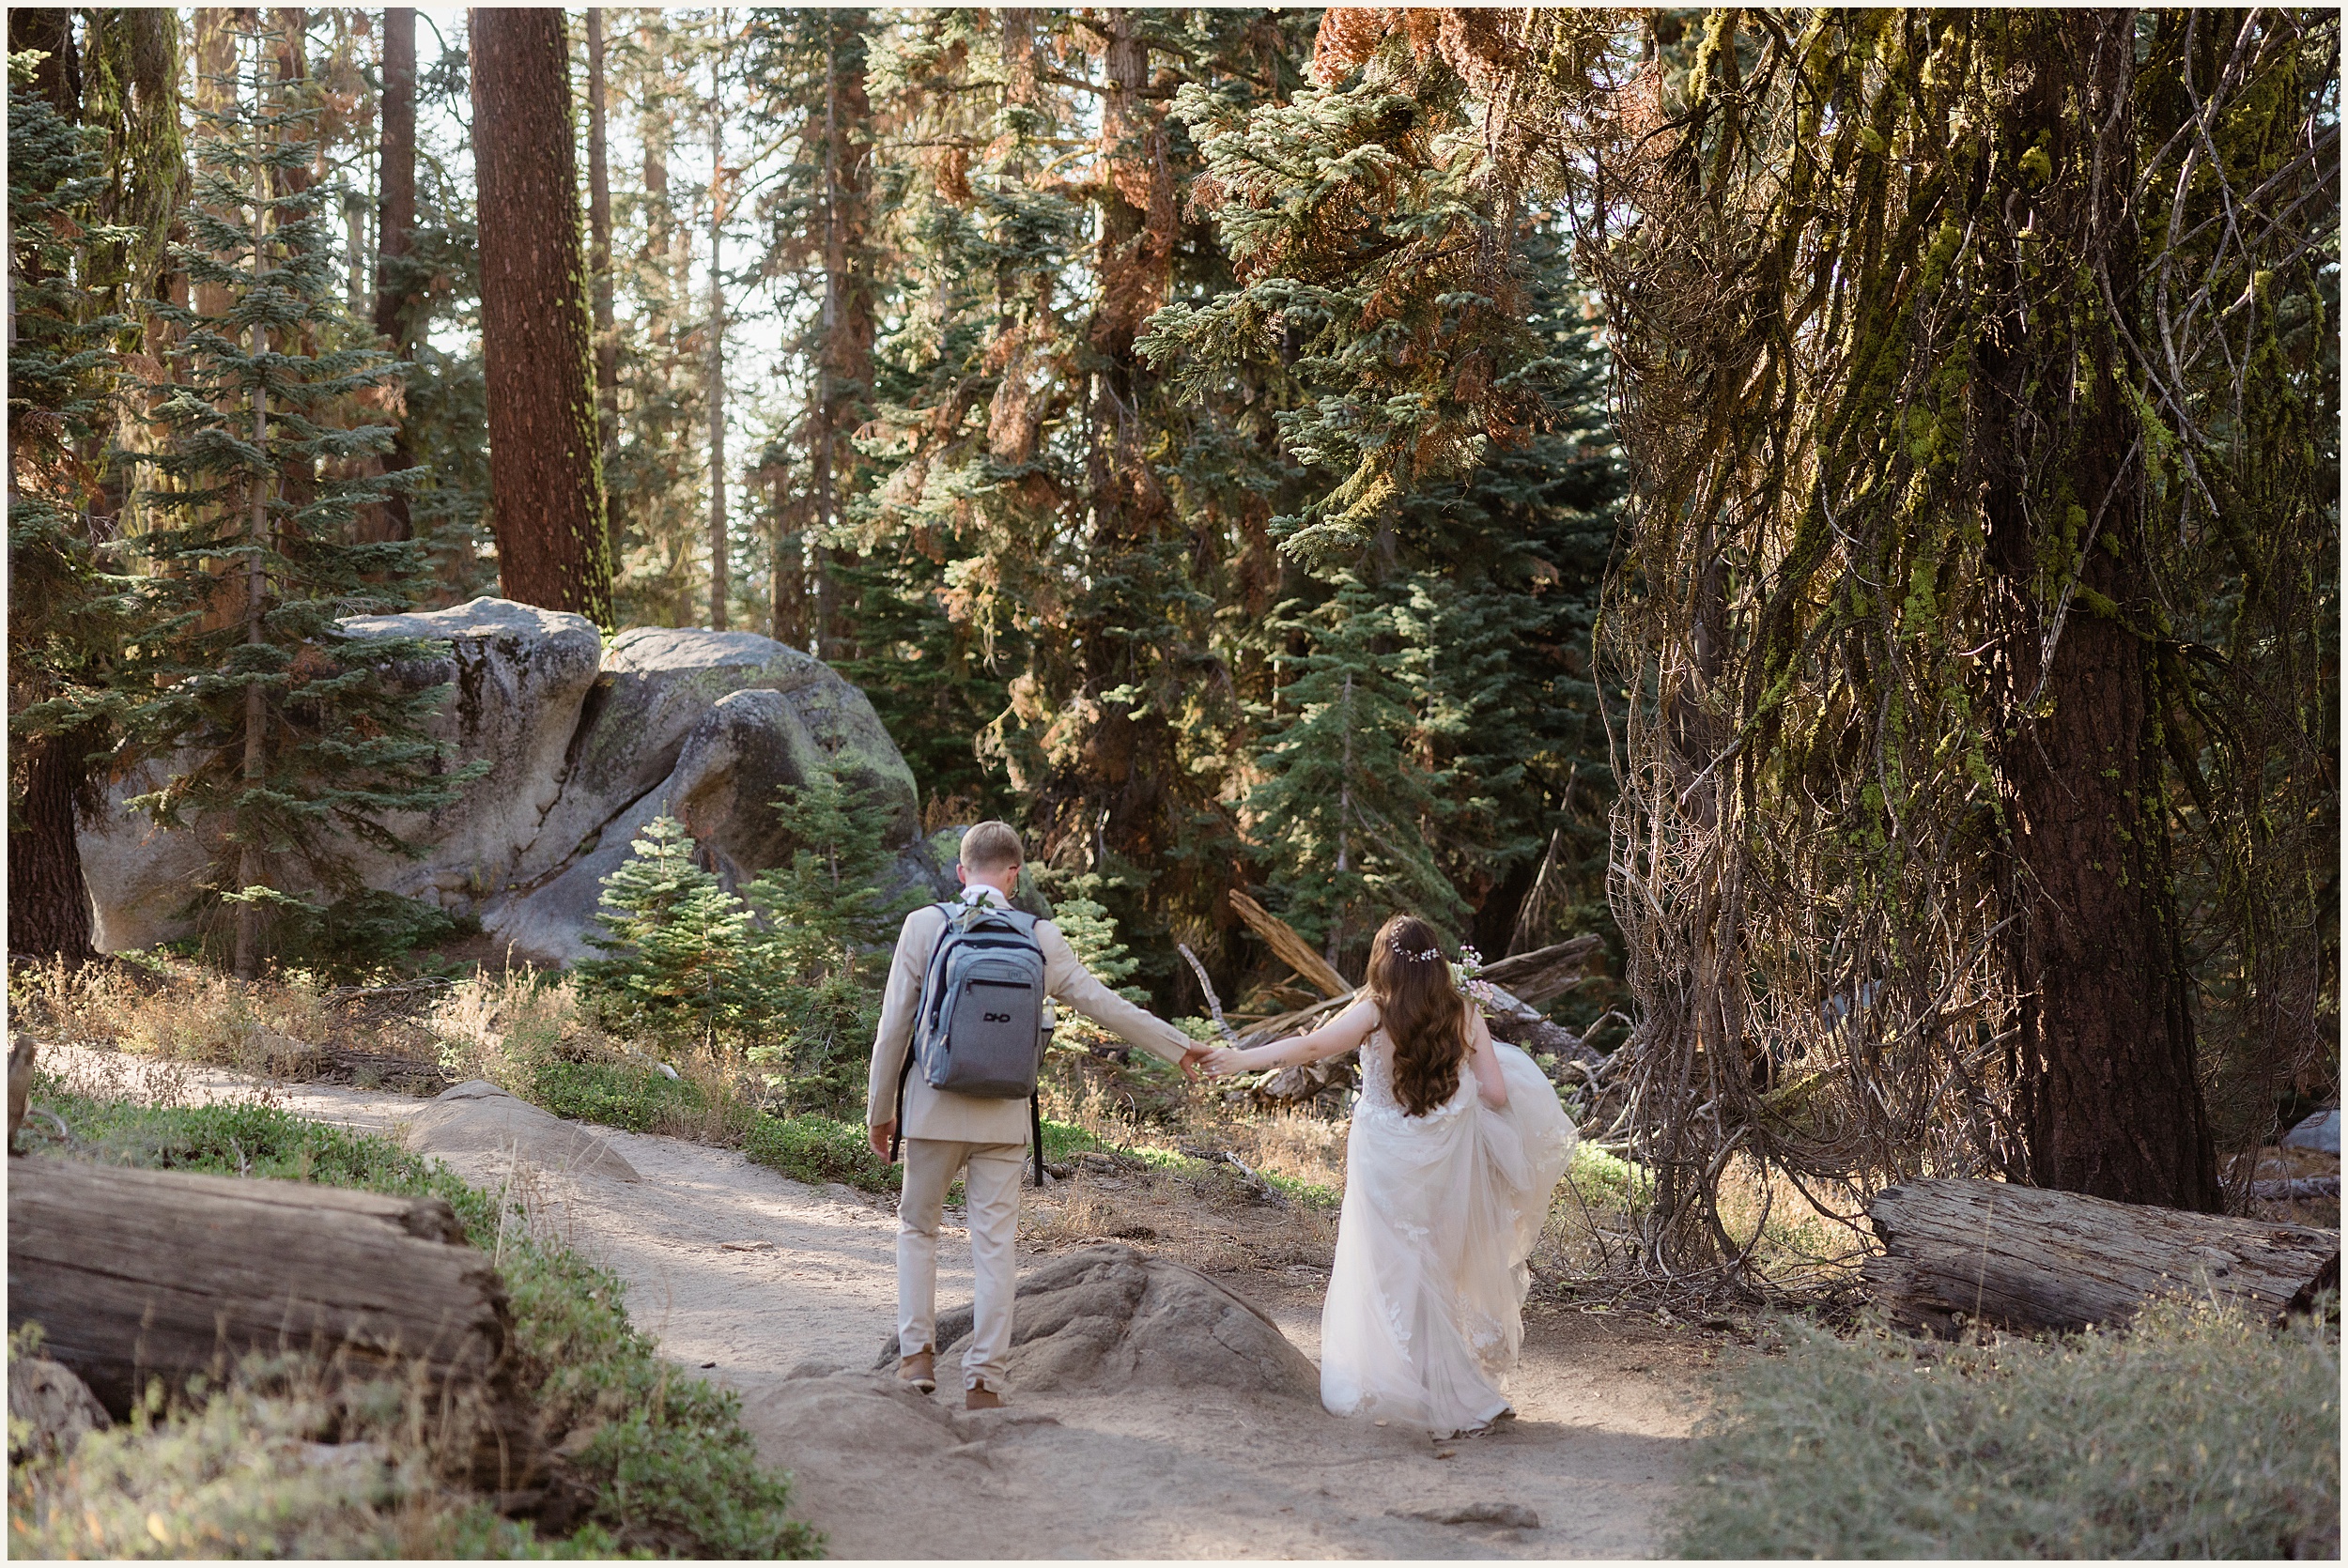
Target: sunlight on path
(732, 1263)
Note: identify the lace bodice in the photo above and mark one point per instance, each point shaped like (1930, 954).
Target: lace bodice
(1378, 1085)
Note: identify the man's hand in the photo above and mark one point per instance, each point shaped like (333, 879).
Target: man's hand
(1192, 1059)
(879, 1133)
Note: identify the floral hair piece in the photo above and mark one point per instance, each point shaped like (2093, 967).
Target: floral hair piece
(1482, 992)
(1401, 952)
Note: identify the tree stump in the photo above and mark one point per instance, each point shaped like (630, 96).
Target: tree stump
(2025, 1258)
(136, 1274)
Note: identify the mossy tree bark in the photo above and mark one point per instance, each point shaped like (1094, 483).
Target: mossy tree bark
(49, 905)
(545, 472)
(2109, 1101)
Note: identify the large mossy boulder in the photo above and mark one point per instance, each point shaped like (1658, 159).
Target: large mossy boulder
(585, 744)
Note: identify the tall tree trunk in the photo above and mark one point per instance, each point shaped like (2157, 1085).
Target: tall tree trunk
(49, 904)
(2112, 1105)
(718, 585)
(599, 259)
(249, 867)
(546, 475)
(293, 65)
(49, 909)
(845, 365)
(1128, 762)
(57, 78)
(395, 231)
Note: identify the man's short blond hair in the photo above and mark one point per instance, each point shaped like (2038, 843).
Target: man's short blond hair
(992, 847)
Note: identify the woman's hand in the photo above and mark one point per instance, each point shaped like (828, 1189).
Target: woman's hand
(1223, 1061)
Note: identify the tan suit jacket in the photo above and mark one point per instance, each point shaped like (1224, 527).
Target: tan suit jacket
(933, 1114)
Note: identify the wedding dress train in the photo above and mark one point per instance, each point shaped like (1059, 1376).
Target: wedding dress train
(1425, 1312)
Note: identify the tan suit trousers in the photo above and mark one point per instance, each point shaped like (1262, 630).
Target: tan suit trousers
(990, 1174)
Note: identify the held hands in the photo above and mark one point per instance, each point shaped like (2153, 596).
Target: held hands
(1222, 1061)
(1192, 1058)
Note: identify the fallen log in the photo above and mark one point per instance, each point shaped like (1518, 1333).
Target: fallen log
(21, 1054)
(136, 1274)
(1510, 1018)
(2292, 1189)
(2024, 1258)
(1547, 972)
(1290, 948)
(1297, 1022)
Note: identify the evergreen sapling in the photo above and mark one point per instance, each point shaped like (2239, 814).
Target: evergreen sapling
(821, 949)
(289, 737)
(679, 965)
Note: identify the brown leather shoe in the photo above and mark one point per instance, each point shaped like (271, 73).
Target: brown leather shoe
(981, 1397)
(919, 1370)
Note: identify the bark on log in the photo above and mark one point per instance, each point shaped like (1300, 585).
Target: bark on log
(2024, 1258)
(135, 1274)
(1284, 1025)
(1290, 948)
(21, 1054)
(1544, 973)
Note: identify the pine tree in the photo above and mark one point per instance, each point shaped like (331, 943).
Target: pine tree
(658, 461)
(1093, 527)
(68, 613)
(435, 309)
(679, 942)
(823, 944)
(290, 737)
(1485, 554)
(1345, 807)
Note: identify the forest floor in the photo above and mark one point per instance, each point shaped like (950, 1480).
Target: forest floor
(749, 1277)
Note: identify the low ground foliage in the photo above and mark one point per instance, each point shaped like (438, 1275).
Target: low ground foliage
(665, 1457)
(2198, 1433)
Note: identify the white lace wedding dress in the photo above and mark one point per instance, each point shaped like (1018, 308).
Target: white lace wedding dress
(1425, 1312)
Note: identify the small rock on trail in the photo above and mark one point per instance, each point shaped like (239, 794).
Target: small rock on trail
(478, 1118)
(1110, 1317)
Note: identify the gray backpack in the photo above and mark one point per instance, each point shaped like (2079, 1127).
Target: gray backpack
(982, 1029)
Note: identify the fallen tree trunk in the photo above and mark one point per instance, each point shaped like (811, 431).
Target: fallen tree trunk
(1547, 972)
(136, 1274)
(1291, 949)
(2024, 1258)
(1299, 1021)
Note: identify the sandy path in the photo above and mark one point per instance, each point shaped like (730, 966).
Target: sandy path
(808, 1287)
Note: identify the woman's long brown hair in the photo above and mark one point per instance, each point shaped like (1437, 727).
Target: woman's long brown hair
(1421, 1011)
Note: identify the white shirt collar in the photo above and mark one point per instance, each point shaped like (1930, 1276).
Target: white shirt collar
(977, 890)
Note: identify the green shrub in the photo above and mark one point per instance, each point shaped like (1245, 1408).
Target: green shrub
(1606, 1181)
(670, 1462)
(2198, 1434)
(817, 1150)
(633, 1099)
(368, 931)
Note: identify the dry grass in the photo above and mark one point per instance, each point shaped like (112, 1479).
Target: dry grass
(289, 1024)
(281, 1462)
(1204, 1215)
(2198, 1433)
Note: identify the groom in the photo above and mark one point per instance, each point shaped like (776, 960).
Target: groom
(983, 1141)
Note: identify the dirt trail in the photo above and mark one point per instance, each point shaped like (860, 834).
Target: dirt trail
(766, 1285)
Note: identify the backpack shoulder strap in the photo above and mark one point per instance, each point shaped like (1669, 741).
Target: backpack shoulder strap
(920, 1016)
(1020, 921)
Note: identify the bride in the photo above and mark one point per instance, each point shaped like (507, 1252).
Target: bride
(1458, 1142)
